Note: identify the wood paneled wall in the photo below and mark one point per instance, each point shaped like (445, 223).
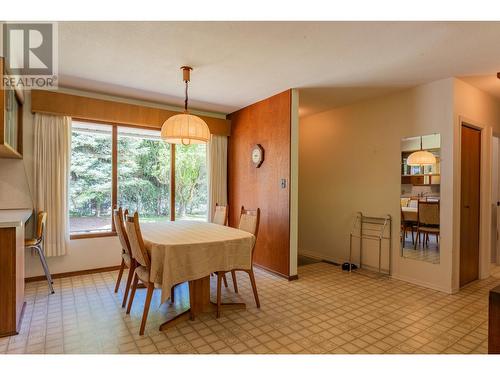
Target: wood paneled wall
(82, 107)
(268, 123)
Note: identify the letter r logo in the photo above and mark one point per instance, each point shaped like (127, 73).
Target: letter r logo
(28, 48)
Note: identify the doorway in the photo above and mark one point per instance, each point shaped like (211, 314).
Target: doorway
(469, 203)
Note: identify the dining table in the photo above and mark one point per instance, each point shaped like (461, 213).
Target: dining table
(190, 251)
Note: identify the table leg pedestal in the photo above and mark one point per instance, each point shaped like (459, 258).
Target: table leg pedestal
(199, 298)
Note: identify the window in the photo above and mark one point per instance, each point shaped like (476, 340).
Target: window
(144, 173)
(90, 189)
(141, 175)
(191, 187)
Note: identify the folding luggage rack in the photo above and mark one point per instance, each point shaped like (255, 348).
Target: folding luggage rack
(371, 228)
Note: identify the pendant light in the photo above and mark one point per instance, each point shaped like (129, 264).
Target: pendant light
(421, 157)
(185, 128)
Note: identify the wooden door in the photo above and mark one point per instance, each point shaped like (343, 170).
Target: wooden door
(469, 208)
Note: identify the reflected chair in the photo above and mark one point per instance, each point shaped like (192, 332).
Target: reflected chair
(428, 221)
(38, 244)
(142, 267)
(413, 202)
(404, 202)
(249, 222)
(127, 259)
(220, 215)
(407, 225)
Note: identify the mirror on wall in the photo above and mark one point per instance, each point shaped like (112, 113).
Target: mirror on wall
(420, 197)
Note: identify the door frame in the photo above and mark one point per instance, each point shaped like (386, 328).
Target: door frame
(495, 211)
(484, 200)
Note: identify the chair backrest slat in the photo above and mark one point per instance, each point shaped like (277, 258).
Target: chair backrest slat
(220, 215)
(139, 252)
(41, 225)
(249, 220)
(428, 213)
(120, 229)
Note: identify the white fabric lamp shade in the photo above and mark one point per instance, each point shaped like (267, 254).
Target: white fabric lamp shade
(185, 129)
(421, 158)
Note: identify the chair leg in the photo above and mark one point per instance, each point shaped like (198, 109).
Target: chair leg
(45, 268)
(416, 241)
(235, 283)
(219, 297)
(191, 301)
(254, 287)
(130, 276)
(172, 294)
(132, 293)
(120, 274)
(224, 278)
(149, 295)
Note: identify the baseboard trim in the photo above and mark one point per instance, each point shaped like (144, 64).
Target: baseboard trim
(72, 273)
(289, 278)
(423, 284)
(322, 258)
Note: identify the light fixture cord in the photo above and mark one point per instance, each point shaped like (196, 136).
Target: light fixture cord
(186, 100)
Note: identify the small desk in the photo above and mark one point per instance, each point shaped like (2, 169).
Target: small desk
(12, 270)
(190, 251)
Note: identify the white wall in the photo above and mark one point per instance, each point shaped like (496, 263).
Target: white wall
(349, 161)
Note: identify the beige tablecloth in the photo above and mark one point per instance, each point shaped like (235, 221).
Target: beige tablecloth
(189, 250)
(410, 213)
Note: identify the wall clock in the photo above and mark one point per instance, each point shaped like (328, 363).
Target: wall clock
(257, 155)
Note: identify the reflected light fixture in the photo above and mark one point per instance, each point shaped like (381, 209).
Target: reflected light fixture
(421, 157)
(185, 128)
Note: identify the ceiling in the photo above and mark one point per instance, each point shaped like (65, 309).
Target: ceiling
(238, 63)
(488, 83)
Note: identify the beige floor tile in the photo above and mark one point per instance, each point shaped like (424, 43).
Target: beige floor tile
(325, 311)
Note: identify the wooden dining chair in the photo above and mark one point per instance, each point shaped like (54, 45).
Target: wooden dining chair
(428, 221)
(142, 266)
(142, 269)
(220, 215)
(221, 218)
(127, 258)
(38, 244)
(249, 222)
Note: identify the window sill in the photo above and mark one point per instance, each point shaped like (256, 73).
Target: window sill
(82, 236)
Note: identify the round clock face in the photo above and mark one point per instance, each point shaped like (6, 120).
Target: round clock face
(257, 155)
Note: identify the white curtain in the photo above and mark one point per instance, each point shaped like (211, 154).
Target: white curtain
(217, 173)
(52, 163)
